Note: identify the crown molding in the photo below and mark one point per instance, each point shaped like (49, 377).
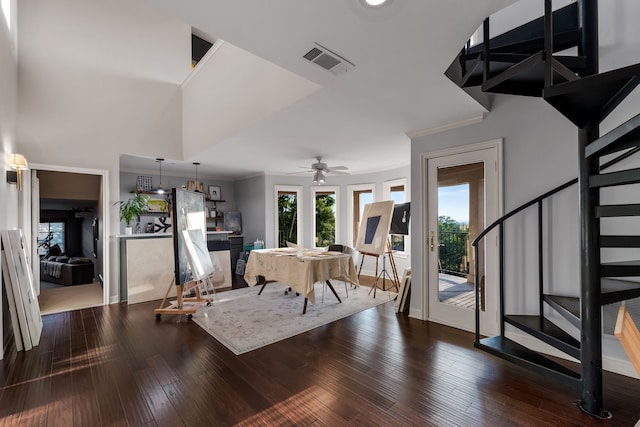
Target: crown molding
(478, 118)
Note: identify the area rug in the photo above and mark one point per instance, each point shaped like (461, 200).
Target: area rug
(243, 321)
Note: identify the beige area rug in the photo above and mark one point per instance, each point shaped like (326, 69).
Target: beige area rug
(243, 321)
(70, 298)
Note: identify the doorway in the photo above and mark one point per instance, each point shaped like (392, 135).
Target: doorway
(67, 235)
(463, 197)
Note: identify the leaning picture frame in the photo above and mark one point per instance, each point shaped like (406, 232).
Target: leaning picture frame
(214, 192)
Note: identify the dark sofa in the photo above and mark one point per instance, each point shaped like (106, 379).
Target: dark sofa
(67, 271)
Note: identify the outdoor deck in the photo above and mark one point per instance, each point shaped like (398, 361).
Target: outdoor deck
(456, 291)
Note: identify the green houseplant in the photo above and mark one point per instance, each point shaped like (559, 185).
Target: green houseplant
(132, 209)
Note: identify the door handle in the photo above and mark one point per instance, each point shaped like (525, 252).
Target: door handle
(432, 244)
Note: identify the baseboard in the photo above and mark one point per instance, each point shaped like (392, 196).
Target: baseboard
(416, 313)
(609, 363)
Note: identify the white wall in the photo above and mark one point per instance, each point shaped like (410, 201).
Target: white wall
(8, 113)
(110, 84)
(235, 89)
(250, 198)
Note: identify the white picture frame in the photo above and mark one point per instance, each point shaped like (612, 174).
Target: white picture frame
(215, 192)
(374, 227)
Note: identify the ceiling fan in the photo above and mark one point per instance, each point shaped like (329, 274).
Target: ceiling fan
(321, 169)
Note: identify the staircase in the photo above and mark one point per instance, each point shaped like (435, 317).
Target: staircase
(524, 62)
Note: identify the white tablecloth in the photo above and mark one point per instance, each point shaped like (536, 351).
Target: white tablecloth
(300, 272)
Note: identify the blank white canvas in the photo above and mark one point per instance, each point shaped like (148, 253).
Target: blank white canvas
(221, 276)
(197, 253)
(15, 325)
(25, 281)
(11, 278)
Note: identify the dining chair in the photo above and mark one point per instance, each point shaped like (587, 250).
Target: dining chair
(345, 250)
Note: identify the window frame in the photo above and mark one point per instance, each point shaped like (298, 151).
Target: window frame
(50, 221)
(352, 230)
(314, 192)
(277, 189)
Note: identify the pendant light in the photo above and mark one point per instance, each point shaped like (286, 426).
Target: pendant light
(197, 182)
(160, 189)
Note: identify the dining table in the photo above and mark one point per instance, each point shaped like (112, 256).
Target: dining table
(300, 269)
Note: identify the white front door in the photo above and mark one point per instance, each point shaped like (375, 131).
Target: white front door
(463, 196)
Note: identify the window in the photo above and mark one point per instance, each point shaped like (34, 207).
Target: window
(288, 205)
(51, 233)
(325, 207)
(360, 195)
(397, 190)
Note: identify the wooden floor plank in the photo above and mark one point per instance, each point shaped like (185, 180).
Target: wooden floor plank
(118, 365)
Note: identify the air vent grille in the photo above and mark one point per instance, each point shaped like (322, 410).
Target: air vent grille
(328, 60)
(313, 54)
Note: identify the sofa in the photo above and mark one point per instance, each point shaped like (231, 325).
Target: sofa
(66, 271)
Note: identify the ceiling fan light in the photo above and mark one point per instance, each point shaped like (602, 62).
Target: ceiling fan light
(318, 177)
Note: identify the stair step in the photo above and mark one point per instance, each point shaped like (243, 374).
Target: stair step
(591, 99)
(619, 290)
(625, 177)
(568, 307)
(624, 136)
(620, 269)
(546, 331)
(522, 356)
(529, 37)
(608, 211)
(620, 241)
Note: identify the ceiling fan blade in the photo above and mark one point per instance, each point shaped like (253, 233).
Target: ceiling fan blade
(338, 168)
(334, 172)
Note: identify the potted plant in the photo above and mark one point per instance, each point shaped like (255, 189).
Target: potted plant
(132, 209)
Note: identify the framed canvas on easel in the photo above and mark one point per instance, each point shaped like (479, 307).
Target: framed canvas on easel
(373, 239)
(189, 214)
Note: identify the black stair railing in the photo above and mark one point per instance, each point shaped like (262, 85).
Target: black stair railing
(500, 224)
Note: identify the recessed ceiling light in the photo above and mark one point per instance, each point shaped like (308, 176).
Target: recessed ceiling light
(375, 3)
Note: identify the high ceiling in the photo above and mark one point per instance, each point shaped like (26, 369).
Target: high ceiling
(359, 119)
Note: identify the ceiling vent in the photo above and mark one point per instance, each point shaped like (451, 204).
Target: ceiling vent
(328, 60)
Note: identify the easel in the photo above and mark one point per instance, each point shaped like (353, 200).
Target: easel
(182, 305)
(384, 274)
(198, 263)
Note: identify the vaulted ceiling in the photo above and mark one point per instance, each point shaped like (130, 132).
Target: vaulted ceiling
(360, 118)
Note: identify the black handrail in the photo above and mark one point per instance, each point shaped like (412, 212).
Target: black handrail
(521, 208)
(548, 194)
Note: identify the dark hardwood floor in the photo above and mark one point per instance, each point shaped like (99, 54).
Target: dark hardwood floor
(118, 366)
